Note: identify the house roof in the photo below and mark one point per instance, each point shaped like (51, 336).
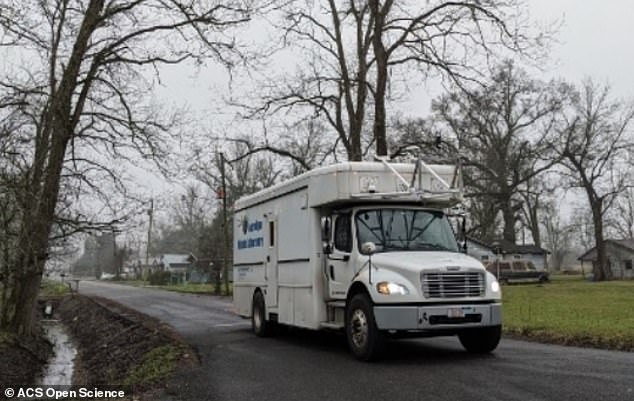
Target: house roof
(178, 258)
(509, 247)
(479, 242)
(627, 244)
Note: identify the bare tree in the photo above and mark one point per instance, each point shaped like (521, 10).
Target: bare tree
(189, 213)
(440, 37)
(583, 229)
(536, 200)
(621, 216)
(595, 146)
(248, 168)
(334, 39)
(503, 131)
(355, 52)
(83, 100)
(558, 236)
(309, 147)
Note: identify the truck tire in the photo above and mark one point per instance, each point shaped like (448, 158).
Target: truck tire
(260, 326)
(481, 340)
(364, 339)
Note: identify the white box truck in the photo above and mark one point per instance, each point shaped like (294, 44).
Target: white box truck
(365, 247)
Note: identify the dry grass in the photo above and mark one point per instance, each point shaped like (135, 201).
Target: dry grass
(573, 311)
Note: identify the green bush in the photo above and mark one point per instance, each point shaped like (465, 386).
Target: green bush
(53, 288)
(159, 278)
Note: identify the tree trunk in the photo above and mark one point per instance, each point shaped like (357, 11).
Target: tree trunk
(25, 302)
(532, 214)
(534, 227)
(355, 154)
(381, 58)
(39, 213)
(601, 269)
(508, 214)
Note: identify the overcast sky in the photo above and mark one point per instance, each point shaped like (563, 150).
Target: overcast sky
(593, 41)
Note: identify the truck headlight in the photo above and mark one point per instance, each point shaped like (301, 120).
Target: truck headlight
(495, 286)
(387, 288)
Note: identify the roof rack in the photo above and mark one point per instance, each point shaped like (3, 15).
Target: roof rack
(448, 193)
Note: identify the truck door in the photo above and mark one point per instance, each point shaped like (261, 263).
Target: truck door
(271, 246)
(338, 264)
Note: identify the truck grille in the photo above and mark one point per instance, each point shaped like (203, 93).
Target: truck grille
(453, 285)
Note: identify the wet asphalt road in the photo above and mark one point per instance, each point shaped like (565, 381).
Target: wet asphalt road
(303, 365)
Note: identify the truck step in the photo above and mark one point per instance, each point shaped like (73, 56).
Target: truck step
(331, 325)
(336, 304)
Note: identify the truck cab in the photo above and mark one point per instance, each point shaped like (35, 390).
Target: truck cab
(400, 271)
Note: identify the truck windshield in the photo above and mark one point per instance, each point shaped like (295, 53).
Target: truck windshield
(405, 230)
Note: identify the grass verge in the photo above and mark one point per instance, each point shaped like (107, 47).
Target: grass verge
(156, 365)
(207, 289)
(572, 311)
(53, 288)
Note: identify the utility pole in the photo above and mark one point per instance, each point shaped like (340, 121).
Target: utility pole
(150, 213)
(115, 260)
(225, 231)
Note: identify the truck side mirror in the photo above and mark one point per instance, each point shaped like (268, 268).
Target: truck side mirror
(368, 248)
(326, 222)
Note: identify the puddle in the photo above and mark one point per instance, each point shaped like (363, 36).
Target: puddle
(59, 370)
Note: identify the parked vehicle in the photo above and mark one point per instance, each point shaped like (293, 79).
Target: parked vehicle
(364, 247)
(516, 271)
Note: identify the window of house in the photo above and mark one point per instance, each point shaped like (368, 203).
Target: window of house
(505, 267)
(628, 264)
(343, 233)
(519, 267)
(485, 257)
(517, 256)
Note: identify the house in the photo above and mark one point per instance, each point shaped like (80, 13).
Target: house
(506, 250)
(178, 264)
(202, 271)
(620, 257)
(480, 250)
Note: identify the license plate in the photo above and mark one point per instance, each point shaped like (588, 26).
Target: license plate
(455, 313)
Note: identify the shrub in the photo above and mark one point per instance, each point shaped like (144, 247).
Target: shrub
(159, 278)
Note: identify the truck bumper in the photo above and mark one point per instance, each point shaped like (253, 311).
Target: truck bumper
(437, 317)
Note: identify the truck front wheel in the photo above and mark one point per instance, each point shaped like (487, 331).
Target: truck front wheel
(364, 338)
(481, 340)
(261, 327)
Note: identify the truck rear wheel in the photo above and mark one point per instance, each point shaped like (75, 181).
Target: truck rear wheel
(261, 327)
(481, 340)
(364, 339)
